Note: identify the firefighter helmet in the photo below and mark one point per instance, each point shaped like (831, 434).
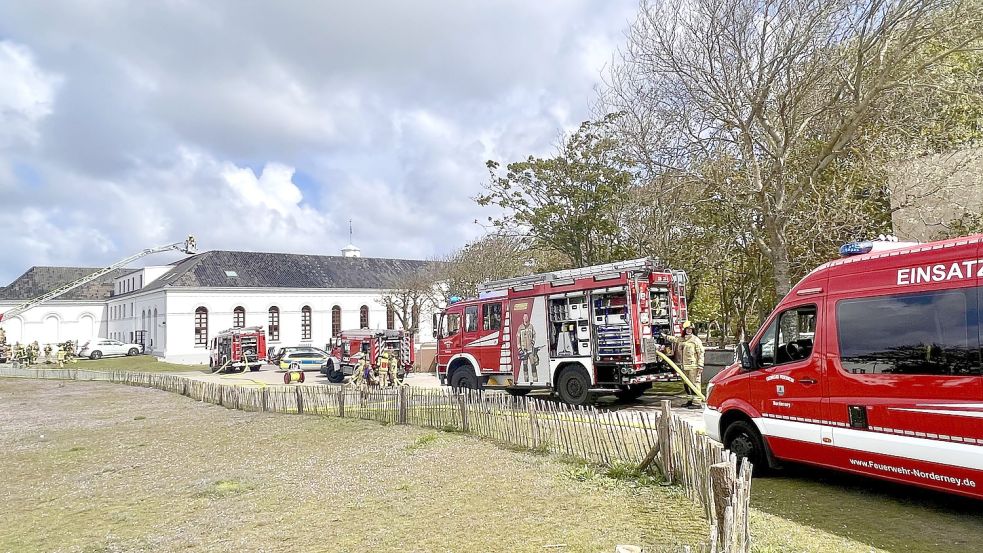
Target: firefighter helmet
(688, 324)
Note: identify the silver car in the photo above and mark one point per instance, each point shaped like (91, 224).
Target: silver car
(103, 347)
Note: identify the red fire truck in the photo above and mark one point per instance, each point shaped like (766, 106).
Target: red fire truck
(235, 349)
(871, 364)
(371, 343)
(580, 332)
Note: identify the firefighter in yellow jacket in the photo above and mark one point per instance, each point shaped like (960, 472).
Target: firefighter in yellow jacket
(690, 349)
(387, 370)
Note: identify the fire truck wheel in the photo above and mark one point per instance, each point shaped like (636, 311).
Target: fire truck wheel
(744, 440)
(335, 375)
(464, 378)
(254, 368)
(632, 393)
(574, 386)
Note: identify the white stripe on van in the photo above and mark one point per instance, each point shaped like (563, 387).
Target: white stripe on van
(906, 447)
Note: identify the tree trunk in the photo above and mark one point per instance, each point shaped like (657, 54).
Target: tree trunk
(777, 253)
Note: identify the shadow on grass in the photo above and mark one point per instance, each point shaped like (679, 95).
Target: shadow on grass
(889, 516)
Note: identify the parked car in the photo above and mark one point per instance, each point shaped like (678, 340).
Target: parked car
(102, 347)
(302, 358)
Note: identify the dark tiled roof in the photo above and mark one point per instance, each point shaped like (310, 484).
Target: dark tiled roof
(284, 270)
(40, 280)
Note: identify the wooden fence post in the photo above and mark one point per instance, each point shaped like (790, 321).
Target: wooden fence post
(300, 400)
(533, 423)
(722, 479)
(665, 438)
(403, 407)
(266, 398)
(464, 412)
(341, 401)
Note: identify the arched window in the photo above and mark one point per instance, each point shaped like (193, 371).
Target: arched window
(238, 317)
(336, 321)
(363, 317)
(390, 317)
(274, 331)
(305, 323)
(201, 326)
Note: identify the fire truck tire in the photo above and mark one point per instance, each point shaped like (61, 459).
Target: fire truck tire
(744, 440)
(132, 352)
(254, 368)
(632, 393)
(464, 378)
(574, 385)
(334, 374)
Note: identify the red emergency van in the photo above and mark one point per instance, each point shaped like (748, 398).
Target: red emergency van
(871, 364)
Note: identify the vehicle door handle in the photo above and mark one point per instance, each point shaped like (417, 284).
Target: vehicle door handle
(808, 381)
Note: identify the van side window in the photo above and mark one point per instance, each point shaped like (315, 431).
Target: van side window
(471, 318)
(790, 337)
(928, 333)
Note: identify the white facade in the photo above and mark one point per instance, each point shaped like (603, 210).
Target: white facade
(55, 321)
(168, 316)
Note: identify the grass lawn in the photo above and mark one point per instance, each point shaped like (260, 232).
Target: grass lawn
(101, 467)
(137, 363)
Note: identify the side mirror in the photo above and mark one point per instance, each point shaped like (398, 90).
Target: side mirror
(435, 333)
(745, 357)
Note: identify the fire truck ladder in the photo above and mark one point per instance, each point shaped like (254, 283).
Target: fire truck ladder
(188, 246)
(640, 264)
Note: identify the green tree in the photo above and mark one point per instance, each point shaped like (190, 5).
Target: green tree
(570, 203)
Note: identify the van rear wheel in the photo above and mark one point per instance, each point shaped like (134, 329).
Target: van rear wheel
(744, 441)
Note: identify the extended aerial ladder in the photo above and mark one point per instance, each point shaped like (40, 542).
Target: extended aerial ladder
(188, 246)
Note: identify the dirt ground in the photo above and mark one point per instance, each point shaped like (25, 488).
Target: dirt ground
(100, 467)
(94, 467)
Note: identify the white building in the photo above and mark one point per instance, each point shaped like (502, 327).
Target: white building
(174, 309)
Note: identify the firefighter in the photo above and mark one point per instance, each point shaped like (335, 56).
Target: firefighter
(359, 376)
(33, 352)
(388, 373)
(690, 349)
(47, 353)
(385, 364)
(61, 355)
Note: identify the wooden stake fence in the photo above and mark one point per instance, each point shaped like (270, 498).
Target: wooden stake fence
(700, 466)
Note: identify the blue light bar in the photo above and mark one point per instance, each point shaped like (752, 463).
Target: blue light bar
(454, 299)
(856, 248)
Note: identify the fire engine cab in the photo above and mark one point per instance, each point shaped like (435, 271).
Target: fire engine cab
(871, 364)
(579, 332)
(235, 349)
(371, 343)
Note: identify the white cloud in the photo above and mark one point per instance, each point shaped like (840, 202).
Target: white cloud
(26, 94)
(268, 126)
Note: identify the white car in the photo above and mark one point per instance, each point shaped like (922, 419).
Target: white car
(102, 347)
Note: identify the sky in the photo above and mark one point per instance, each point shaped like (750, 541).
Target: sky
(266, 126)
